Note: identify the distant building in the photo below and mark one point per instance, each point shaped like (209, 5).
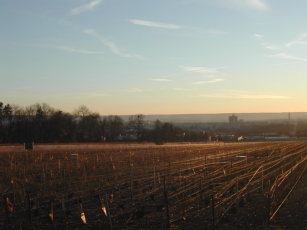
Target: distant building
(270, 134)
(233, 119)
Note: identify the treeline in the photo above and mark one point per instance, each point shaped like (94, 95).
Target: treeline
(41, 123)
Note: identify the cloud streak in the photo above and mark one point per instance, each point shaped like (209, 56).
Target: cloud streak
(242, 96)
(209, 81)
(100, 95)
(160, 79)
(198, 69)
(202, 69)
(183, 89)
(254, 4)
(257, 4)
(154, 24)
(264, 44)
(85, 7)
(288, 56)
(302, 40)
(111, 45)
(287, 63)
(69, 49)
(135, 90)
(64, 48)
(257, 36)
(217, 32)
(209, 74)
(272, 47)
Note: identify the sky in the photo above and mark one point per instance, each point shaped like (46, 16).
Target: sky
(126, 57)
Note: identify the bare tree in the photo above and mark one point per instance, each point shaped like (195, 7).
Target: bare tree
(48, 111)
(1, 117)
(80, 115)
(158, 132)
(7, 117)
(136, 125)
(88, 123)
(82, 111)
(115, 127)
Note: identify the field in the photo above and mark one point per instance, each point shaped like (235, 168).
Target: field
(145, 186)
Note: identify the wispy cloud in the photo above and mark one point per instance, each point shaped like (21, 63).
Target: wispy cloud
(64, 22)
(154, 24)
(112, 46)
(160, 79)
(242, 95)
(135, 90)
(288, 56)
(208, 81)
(85, 7)
(201, 69)
(89, 31)
(64, 48)
(218, 32)
(254, 4)
(183, 89)
(257, 36)
(264, 44)
(69, 49)
(286, 63)
(210, 74)
(302, 40)
(257, 4)
(100, 95)
(200, 32)
(198, 69)
(272, 47)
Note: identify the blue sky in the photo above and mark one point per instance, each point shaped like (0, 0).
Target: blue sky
(155, 57)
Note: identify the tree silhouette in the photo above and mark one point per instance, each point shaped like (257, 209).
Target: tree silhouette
(1, 119)
(136, 125)
(7, 122)
(88, 124)
(80, 115)
(40, 118)
(115, 127)
(158, 132)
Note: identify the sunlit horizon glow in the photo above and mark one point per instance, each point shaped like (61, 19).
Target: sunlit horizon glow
(170, 57)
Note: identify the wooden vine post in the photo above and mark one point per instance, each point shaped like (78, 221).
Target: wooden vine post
(108, 211)
(231, 167)
(200, 189)
(131, 188)
(64, 213)
(131, 177)
(180, 179)
(51, 216)
(30, 213)
(154, 176)
(14, 198)
(6, 209)
(268, 214)
(262, 179)
(166, 203)
(213, 214)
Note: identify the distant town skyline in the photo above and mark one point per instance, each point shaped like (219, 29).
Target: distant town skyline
(155, 57)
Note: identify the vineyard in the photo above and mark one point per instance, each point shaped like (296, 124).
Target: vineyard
(146, 186)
